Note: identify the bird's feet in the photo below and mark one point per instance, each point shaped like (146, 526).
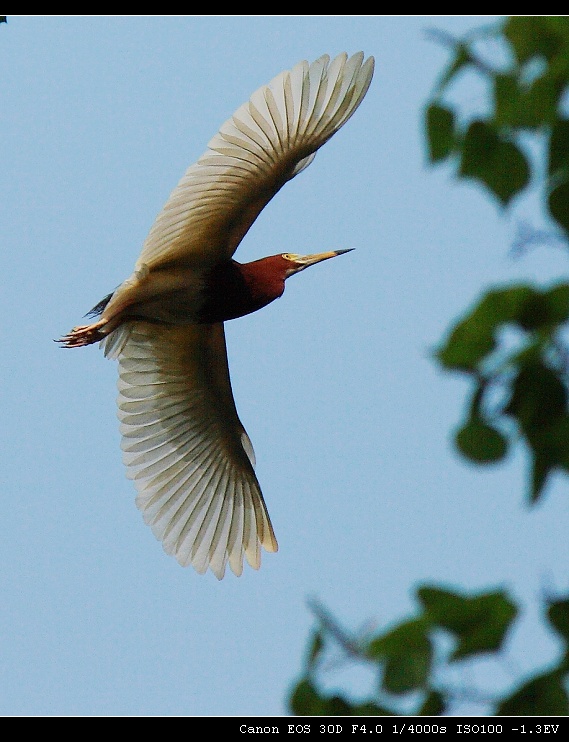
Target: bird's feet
(83, 335)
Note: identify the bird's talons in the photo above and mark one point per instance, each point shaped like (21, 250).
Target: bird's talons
(82, 335)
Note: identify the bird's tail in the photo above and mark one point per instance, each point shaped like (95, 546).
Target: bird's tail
(99, 308)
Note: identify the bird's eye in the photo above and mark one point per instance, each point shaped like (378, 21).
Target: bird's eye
(289, 256)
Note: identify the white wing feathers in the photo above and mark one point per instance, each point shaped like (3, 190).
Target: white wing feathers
(183, 445)
(266, 142)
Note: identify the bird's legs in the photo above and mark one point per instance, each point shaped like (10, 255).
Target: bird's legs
(83, 335)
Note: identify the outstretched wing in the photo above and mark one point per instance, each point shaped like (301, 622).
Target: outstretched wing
(185, 448)
(267, 141)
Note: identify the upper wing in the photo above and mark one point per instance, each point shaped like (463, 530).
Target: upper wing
(185, 448)
(267, 141)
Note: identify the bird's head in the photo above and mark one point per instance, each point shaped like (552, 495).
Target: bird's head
(292, 263)
(265, 278)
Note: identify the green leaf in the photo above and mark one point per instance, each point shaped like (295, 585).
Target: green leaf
(480, 623)
(433, 705)
(521, 33)
(407, 653)
(440, 132)
(481, 142)
(541, 469)
(506, 100)
(552, 442)
(466, 347)
(519, 105)
(497, 163)
(407, 671)
(337, 706)
(539, 398)
(559, 147)
(480, 442)
(503, 305)
(544, 695)
(538, 104)
(558, 616)
(557, 299)
(549, 445)
(559, 25)
(532, 36)
(370, 708)
(542, 309)
(533, 313)
(472, 339)
(558, 202)
(306, 701)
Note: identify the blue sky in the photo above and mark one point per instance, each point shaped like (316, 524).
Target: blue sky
(350, 418)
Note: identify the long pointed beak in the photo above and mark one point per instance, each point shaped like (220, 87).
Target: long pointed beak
(306, 260)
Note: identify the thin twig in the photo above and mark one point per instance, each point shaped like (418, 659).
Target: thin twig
(448, 40)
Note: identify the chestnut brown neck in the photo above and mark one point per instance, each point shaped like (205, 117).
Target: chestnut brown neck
(235, 289)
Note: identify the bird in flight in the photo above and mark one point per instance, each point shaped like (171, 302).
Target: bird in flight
(183, 443)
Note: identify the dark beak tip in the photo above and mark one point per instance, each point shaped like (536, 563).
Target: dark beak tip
(341, 252)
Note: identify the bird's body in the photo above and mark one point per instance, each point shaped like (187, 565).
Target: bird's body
(183, 442)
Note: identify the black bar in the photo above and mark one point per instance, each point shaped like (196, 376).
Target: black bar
(396, 726)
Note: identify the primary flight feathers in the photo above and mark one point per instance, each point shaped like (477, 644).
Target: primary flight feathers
(266, 142)
(184, 445)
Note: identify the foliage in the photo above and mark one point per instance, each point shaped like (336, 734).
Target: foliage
(527, 382)
(512, 346)
(528, 97)
(411, 660)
